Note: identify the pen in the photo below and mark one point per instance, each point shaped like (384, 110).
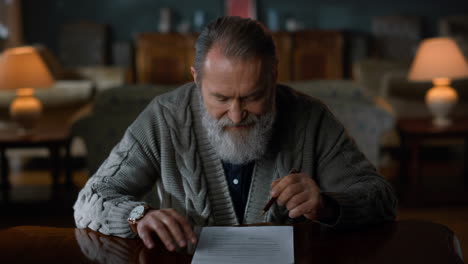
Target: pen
(273, 199)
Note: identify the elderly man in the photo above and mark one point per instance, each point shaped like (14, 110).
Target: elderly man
(215, 151)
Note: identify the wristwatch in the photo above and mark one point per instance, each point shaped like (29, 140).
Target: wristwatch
(136, 214)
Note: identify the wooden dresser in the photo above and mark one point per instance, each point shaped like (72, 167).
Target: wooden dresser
(305, 55)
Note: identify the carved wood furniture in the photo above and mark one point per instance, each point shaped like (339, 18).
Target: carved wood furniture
(317, 55)
(164, 58)
(413, 133)
(305, 55)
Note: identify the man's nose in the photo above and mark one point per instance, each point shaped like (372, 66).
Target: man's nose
(236, 113)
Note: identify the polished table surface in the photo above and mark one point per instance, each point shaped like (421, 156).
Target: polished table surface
(399, 242)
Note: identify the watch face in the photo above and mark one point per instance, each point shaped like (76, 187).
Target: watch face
(137, 212)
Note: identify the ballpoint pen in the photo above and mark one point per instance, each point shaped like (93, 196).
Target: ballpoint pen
(273, 199)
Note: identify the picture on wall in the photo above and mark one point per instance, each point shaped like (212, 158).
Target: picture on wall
(242, 8)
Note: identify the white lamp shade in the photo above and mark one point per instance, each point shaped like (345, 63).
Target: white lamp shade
(438, 58)
(23, 67)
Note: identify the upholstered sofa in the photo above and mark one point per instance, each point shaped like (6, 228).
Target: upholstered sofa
(388, 81)
(61, 93)
(73, 86)
(367, 120)
(116, 108)
(385, 76)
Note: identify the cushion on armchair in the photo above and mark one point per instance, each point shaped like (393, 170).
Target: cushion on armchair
(103, 77)
(61, 93)
(364, 119)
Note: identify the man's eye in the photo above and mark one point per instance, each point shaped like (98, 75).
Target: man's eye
(222, 99)
(254, 97)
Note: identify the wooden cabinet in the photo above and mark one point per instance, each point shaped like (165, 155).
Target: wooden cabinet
(305, 55)
(317, 55)
(164, 58)
(283, 43)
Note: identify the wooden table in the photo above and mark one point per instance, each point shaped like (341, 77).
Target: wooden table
(413, 132)
(399, 242)
(54, 137)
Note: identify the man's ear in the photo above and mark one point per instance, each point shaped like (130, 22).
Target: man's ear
(194, 74)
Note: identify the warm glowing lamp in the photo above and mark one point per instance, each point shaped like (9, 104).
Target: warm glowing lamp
(23, 69)
(439, 60)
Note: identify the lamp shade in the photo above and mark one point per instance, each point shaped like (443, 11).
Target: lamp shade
(23, 67)
(438, 58)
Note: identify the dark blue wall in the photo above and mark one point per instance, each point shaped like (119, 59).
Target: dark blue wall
(42, 18)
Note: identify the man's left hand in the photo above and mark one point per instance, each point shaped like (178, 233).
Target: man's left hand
(299, 193)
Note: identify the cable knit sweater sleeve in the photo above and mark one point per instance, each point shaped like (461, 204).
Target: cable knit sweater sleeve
(120, 183)
(344, 174)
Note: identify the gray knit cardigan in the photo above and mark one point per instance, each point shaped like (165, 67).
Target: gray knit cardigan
(166, 160)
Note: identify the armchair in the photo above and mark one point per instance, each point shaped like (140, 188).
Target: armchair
(113, 111)
(365, 119)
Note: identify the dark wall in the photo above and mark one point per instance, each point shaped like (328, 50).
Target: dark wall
(42, 19)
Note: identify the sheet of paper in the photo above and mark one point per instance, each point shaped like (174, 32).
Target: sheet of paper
(252, 244)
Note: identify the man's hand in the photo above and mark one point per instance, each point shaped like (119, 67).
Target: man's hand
(170, 226)
(299, 193)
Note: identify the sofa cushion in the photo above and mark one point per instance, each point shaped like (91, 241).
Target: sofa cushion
(61, 93)
(365, 122)
(103, 77)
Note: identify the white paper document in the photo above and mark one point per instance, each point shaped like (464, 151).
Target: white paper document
(252, 244)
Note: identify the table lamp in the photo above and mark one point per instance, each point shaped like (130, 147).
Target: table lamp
(21, 69)
(439, 60)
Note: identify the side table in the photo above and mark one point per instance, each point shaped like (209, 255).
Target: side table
(412, 134)
(54, 138)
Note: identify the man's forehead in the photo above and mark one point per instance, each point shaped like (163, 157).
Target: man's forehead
(222, 74)
(229, 89)
(217, 60)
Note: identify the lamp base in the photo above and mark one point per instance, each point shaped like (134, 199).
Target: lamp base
(25, 109)
(440, 100)
(441, 121)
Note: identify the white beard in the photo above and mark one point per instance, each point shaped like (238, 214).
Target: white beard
(241, 146)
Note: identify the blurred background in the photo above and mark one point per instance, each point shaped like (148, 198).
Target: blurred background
(101, 62)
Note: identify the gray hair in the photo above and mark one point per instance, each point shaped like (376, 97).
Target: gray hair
(239, 38)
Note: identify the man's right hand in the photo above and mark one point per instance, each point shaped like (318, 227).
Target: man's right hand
(170, 226)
